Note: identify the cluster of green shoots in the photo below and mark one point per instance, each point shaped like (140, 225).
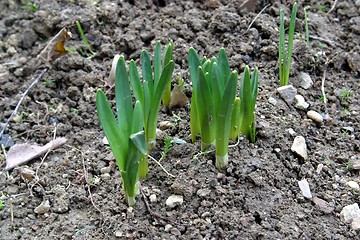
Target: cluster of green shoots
(132, 134)
(215, 113)
(286, 53)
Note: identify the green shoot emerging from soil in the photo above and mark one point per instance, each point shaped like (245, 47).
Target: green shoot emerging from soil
(346, 94)
(285, 54)
(84, 39)
(30, 6)
(243, 116)
(149, 92)
(214, 87)
(167, 146)
(125, 135)
(306, 25)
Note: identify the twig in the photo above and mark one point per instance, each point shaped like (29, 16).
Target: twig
(37, 79)
(323, 91)
(328, 41)
(332, 8)
(252, 22)
(157, 162)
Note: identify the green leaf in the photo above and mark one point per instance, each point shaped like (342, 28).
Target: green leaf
(224, 115)
(116, 137)
(205, 111)
(138, 118)
(154, 110)
(235, 120)
(157, 64)
(224, 67)
(146, 70)
(123, 96)
(135, 82)
(138, 139)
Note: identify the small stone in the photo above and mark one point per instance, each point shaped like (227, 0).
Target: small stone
(291, 131)
(203, 192)
(353, 185)
(272, 101)
(206, 214)
(299, 147)
(287, 93)
(12, 189)
(119, 233)
(315, 116)
(153, 198)
(165, 125)
(103, 176)
(305, 189)
(168, 227)
(355, 225)
(175, 231)
(105, 141)
(105, 170)
(323, 205)
(27, 173)
(350, 212)
(306, 81)
(44, 207)
(319, 168)
(355, 164)
(300, 102)
(174, 200)
(22, 230)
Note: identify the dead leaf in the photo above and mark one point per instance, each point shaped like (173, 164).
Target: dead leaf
(22, 153)
(55, 48)
(111, 80)
(178, 98)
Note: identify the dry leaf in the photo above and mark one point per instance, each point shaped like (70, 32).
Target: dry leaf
(22, 153)
(55, 48)
(111, 80)
(178, 98)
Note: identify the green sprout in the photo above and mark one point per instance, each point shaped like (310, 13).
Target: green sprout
(125, 135)
(214, 87)
(346, 94)
(48, 82)
(29, 6)
(84, 39)
(306, 26)
(149, 92)
(243, 116)
(346, 111)
(285, 54)
(2, 204)
(167, 146)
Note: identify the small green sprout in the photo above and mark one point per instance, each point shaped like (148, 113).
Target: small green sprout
(167, 146)
(306, 25)
(48, 81)
(243, 116)
(346, 111)
(285, 54)
(346, 94)
(125, 135)
(29, 6)
(2, 204)
(214, 87)
(345, 133)
(74, 110)
(84, 39)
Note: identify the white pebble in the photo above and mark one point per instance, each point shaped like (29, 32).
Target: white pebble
(315, 116)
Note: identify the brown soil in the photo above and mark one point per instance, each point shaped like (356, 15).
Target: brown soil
(255, 197)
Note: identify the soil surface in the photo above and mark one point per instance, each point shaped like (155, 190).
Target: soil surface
(75, 191)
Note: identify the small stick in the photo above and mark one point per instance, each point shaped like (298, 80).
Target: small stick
(256, 17)
(332, 8)
(323, 90)
(21, 99)
(328, 41)
(157, 162)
